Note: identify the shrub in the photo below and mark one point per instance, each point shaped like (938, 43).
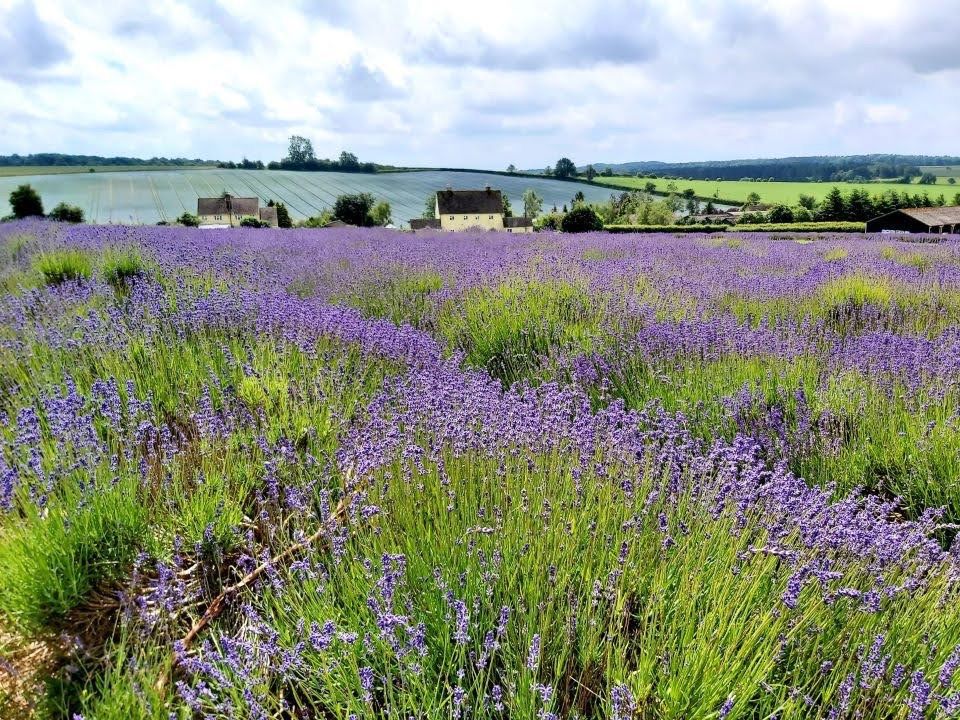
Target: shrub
(283, 216)
(67, 213)
(62, 265)
(354, 209)
(550, 221)
(581, 219)
(780, 214)
(252, 222)
(189, 220)
(26, 202)
(122, 266)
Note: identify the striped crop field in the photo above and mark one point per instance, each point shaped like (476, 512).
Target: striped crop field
(149, 196)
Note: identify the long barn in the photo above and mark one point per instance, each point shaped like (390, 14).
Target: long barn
(918, 220)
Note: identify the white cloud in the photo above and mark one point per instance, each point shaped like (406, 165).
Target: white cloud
(481, 84)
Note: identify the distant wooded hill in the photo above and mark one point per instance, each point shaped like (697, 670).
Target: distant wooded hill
(65, 160)
(829, 168)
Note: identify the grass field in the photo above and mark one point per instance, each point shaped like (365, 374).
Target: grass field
(355, 473)
(777, 192)
(69, 170)
(150, 196)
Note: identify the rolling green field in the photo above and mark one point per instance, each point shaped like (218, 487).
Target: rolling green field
(777, 192)
(73, 169)
(148, 196)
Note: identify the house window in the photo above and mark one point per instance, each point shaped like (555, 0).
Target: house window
(465, 217)
(451, 217)
(509, 229)
(477, 217)
(489, 217)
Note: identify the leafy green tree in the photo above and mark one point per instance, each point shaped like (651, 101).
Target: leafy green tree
(532, 203)
(511, 168)
(578, 199)
(430, 207)
(300, 150)
(581, 219)
(548, 171)
(591, 173)
(26, 202)
(802, 214)
(349, 161)
(951, 181)
(252, 222)
(956, 199)
(709, 208)
(381, 213)
(188, 220)
(807, 201)
(565, 168)
(67, 213)
(927, 178)
(753, 198)
(354, 209)
(650, 187)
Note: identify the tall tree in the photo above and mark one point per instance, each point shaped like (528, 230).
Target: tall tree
(532, 203)
(300, 149)
(430, 207)
(511, 168)
(381, 213)
(349, 161)
(26, 202)
(565, 168)
(283, 216)
(590, 173)
(507, 208)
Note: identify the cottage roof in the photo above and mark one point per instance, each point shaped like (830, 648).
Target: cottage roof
(464, 202)
(424, 224)
(228, 204)
(516, 222)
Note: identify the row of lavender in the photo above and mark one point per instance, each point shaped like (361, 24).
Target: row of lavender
(535, 551)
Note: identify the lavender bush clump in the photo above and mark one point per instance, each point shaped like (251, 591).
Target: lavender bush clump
(360, 473)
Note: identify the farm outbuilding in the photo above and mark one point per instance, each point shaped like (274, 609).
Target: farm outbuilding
(918, 220)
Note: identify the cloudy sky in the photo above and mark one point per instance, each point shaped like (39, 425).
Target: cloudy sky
(480, 84)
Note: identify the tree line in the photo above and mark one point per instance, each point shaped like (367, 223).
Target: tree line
(67, 160)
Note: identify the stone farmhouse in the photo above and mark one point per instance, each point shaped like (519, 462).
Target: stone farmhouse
(471, 210)
(229, 211)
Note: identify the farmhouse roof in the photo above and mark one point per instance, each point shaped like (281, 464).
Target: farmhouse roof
(516, 222)
(455, 202)
(424, 224)
(228, 204)
(934, 216)
(268, 214)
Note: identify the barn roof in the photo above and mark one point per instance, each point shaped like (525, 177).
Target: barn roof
(424, 224)
(934, 216)
(224, 205)
(454, 202)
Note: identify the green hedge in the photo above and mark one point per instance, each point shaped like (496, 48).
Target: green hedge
(666, 228)
(836, 227)
(841, 227)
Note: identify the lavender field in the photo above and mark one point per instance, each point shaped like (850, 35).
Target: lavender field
(365, 474)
